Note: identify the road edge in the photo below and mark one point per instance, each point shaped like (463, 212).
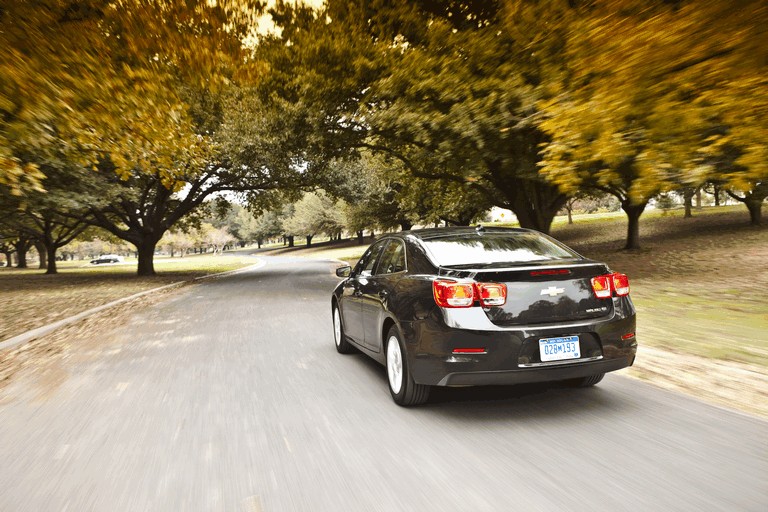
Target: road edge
(47, 329)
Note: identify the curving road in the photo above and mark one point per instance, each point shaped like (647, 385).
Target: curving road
(230, 396)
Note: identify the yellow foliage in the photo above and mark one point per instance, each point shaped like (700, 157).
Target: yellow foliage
(98, 77)
(668, 88)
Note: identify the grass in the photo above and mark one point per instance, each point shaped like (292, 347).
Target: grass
(699, 284)
(347, 250)
(32, 299)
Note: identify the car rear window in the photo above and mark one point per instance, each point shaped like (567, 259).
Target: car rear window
(492, 248)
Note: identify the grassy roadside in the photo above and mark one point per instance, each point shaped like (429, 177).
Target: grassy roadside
(699, 288)
(32, 299)
(698, 283)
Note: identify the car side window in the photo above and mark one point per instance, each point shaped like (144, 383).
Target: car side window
(392, 259)
(368, 262)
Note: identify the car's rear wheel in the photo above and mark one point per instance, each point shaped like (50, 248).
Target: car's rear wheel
(342, 345)
(589, 381)
(401, 385)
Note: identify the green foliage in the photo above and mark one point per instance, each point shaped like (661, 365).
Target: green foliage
(442, 96)
(315, 213)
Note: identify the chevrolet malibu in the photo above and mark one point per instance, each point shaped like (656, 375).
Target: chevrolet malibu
(477, 306)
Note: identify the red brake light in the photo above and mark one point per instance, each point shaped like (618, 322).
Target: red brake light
(554, 272)
(453, 294)
(620, 284)
(492, 294)
(601, 285)
(605, 286)
(470, 351)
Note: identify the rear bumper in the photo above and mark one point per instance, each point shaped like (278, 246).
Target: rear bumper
(512, 354)
(540, 374)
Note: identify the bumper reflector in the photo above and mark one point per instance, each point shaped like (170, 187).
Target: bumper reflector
(470, 351)
(628, 336)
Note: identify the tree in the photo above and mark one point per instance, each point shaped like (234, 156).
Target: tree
(315, 213)
(6, 249)
(457, 204)
(433, 87)
(177, 241)
(370, 189)
(124, 81)
(265, 226)
(55, 217)
(217, 239)
(97, 77)
(21, 245)
(657, 96)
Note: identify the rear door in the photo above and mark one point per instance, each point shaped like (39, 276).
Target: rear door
(351, 304)
(379, 289)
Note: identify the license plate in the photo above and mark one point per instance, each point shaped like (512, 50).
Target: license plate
(558, 349)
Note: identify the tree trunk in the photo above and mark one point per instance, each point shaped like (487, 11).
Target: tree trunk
(258, 243)
(8, 258)
(755, 208)
(716, 192)
(42, 255)
(51, 250)
(146, 251)
(698, 198)
(290, 241)
(688, 202)
(405, 224)
(309, 240)
(570, 215)
(633, 211)
(22, 246)
(360, 238)
(533, 201)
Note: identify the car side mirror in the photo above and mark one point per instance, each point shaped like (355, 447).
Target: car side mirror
(344, 271)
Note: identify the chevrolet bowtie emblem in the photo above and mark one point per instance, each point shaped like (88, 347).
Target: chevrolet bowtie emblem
(552, 291)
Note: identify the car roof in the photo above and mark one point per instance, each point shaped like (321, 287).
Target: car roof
(432, 233)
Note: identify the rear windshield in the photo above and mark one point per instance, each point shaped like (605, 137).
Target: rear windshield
(492, 248)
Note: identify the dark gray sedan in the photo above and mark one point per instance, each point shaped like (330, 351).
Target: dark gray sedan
(476, 306)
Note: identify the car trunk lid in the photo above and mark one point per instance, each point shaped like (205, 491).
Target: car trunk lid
(542, 293)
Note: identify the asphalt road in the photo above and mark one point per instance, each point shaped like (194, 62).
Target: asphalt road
(230, 396)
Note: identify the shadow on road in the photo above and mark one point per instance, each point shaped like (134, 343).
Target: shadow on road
(521, 401)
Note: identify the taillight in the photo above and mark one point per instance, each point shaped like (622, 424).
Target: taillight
(620, 284)
(463, 294)
(605, 286)
(602, 286)
(492, 294)
(453, 294)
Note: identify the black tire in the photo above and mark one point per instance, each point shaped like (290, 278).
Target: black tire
(587, 382)
(409, 393)
(342, 345)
